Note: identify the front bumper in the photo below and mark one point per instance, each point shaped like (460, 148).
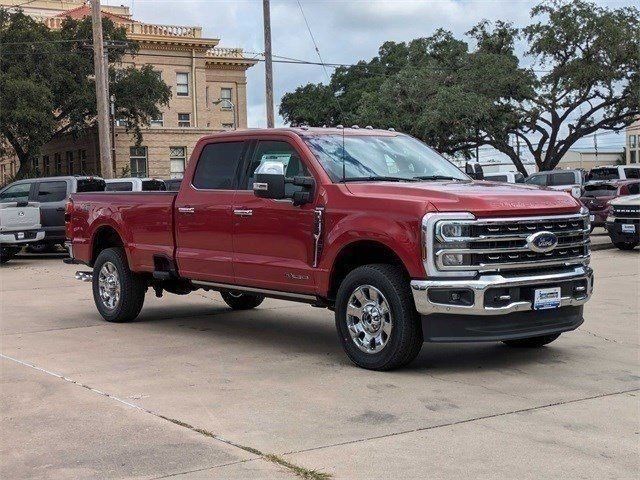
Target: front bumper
(30, 236)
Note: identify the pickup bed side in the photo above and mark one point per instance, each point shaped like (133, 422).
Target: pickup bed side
(140, 222)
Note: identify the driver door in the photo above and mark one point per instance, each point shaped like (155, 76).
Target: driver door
(273, 240)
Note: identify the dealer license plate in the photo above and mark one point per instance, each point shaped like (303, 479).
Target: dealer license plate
(628, 228)
(545, 298)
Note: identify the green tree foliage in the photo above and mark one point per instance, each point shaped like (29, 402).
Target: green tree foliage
(580, 75)
(47, 86)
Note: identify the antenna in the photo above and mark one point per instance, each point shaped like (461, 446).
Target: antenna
(344, 168)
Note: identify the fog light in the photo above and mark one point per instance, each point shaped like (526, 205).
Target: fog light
(453, 259)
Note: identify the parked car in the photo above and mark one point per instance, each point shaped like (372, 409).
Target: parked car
(598, 195)
(134, 184)
(623, 222)
(616, 172)
(508, 177)
(371, 224)
(19, 227)
(173, 184)
(52, 194)
(570, 181)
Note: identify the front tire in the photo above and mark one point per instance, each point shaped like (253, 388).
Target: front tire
(626, 245)
(117, 292)
(533, 342)
(242, 301)
(376, 319)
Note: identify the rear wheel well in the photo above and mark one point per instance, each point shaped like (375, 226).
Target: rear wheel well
(355, 255)
(106, 237)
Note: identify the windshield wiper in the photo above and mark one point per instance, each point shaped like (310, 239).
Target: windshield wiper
(436, 177)
(381, 178)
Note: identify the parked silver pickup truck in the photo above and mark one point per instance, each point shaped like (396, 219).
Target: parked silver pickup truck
(19, 226)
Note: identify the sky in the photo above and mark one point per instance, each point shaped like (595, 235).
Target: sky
(345, 32)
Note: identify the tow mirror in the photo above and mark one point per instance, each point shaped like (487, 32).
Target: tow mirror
(474, 170)
(269, 181)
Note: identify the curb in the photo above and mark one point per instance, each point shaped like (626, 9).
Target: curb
(602, 246)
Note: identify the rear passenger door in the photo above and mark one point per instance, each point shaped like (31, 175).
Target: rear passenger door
(203, 216)
(52, 196)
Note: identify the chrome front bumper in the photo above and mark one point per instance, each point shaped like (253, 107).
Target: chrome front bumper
(425, 306)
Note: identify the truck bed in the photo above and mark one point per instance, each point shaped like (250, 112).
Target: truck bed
(143, 220)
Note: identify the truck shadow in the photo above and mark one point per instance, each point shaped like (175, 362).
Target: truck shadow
(312, 334)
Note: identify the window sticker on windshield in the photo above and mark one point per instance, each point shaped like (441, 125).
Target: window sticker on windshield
(282, 158)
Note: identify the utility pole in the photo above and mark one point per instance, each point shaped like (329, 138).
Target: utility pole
(268, 66)
(595, 145)
(102, 92)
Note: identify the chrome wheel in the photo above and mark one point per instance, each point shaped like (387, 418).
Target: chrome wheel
(109, 285)
(369, 319)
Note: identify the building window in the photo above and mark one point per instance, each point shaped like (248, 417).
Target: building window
(632, 158)
(70, 163)
(226, 95)
(227, 126)
(82, 155)
(184, 119)
(632, 141)
(157, 122)
(178, 159)
(182, 84)
(138, 161)
(57, 163)
(46, 164)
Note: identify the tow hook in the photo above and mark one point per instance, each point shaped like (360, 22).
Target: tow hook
(84, 276)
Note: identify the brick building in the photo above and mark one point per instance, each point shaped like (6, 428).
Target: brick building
(199, 73)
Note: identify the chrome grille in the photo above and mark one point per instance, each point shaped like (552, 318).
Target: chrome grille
(501, 244)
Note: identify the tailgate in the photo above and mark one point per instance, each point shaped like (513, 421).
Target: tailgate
(14, 218)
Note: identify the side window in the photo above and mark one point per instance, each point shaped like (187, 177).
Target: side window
(632, 172)
(119, 187)
(51, 192)
(565, 178)
(16, 193)
(634, 189)
(276, 151)
(537, 180)
(217, 167)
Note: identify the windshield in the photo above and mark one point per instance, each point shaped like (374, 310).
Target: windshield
(604, 174)
(371, 157)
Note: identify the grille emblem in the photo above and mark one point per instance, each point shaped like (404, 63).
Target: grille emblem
(542, 242)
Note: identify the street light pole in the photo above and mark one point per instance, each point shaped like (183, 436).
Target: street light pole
(268, 65)
(102, 92)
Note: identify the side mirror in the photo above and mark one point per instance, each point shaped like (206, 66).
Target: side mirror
(474, 170)
(269, 181)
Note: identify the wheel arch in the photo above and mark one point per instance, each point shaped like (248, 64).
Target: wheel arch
(106, 236)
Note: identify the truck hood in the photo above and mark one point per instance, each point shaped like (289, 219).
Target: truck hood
(483, 199)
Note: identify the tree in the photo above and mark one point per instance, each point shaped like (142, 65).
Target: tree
(47, 87)
(582, 76)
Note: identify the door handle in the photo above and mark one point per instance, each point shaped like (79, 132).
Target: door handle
(186, 209)
(243, 213)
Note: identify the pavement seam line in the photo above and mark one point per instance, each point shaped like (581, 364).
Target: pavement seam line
(461, 422)
(301, 472)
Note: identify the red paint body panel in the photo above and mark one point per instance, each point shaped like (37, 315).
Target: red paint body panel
(274, 247)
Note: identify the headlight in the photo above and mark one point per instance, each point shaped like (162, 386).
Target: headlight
(455, 259)
(443, 231)
(452, 230)
(576, 192)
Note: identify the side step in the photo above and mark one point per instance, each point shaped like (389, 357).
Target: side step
(84, 276)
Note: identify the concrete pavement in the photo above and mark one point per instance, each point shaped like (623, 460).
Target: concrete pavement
(194, 390)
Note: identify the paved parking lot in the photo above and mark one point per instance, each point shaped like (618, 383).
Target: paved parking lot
(193, 391)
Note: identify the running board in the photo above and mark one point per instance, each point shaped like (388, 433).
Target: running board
(269, 293)
(84, 276)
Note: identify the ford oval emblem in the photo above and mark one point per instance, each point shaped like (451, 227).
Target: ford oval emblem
(542, 242)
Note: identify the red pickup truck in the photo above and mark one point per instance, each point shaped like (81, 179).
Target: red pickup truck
(371, 224)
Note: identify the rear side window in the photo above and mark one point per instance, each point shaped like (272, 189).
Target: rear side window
(217, 167)
(632, 172)
(153, 185)
(634, 188)
(119, 186)
(91, 185)
(565, 178)
(16, 193)
(604, 174)
(51, 192)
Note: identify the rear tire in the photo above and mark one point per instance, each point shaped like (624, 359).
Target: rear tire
(117, 291)
(533, 342)
(625, 245)
(378, 325)
(7, 253)
(242, 301)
